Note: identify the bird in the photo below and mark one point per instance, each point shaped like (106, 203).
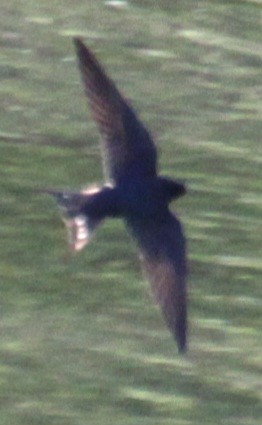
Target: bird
(134, 191)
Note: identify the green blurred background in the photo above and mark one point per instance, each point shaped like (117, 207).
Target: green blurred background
(81, 341)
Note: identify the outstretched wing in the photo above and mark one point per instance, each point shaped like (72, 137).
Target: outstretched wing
(127, 147)
(163, 256)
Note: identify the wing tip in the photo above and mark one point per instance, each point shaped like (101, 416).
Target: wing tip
(181, 329)
(80, 47)
(182, 347)
(88, 63)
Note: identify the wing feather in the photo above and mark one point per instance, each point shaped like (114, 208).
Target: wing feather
(126, 144)
(163, 256)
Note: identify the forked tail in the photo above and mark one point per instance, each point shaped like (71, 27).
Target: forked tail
(79, 224)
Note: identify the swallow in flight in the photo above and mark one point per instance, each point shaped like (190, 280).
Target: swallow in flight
(132, 190)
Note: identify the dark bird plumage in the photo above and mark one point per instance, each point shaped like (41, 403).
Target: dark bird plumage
(133, 192)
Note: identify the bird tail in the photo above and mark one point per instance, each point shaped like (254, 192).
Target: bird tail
(80, 226)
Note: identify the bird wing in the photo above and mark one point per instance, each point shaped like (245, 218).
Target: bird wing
(163, 256)
(127, 147)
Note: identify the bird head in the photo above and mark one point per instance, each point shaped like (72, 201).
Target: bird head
(171, 189)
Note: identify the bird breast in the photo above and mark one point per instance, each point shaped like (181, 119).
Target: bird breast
(142, 199)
